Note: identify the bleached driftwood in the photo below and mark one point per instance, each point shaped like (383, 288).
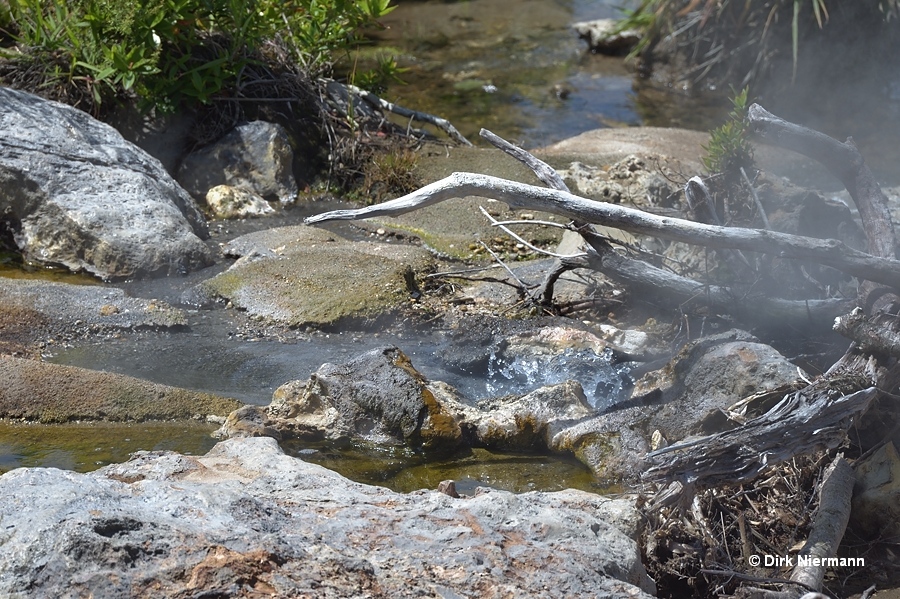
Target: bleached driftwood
(829, 252)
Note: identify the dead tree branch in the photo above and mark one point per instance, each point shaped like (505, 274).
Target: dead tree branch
(842, 160)
(670, 289)
(814, 418)
(422, 117)
(829, 252)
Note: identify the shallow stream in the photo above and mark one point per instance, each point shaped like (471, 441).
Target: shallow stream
(513, 66)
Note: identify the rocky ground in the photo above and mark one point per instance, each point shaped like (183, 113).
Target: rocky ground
(245, 519)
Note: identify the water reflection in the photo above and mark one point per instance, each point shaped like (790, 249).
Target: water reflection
(87, 446)
(516, 68)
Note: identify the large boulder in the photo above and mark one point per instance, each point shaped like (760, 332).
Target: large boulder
(75, 193)
(246, 520)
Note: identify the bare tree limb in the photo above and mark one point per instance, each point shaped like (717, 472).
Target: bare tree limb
(670, 289)
(422, 117)
(845, 162)
(546, 173)
(829, 252)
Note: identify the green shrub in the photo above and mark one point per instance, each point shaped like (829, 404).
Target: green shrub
(170, 52)
(729, 147)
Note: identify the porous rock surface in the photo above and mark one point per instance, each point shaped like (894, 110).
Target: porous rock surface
(706, 377)
(224, 201)
(35, 313)
(76, 194)
(245, 520)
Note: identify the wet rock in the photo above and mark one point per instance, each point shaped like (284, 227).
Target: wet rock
(51, 393)
(553, 355)
(708, 376)
(302, 275)
(602, 37)
(380, 398)
(876, 495)
(531, 421)
(77, 194)
(256, 157)
(246, 519)
(37, 313)
(224, 202)
(376, 397)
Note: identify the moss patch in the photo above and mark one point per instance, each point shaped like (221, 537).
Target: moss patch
(302, 275)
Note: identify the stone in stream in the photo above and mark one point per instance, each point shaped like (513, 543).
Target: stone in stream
(301, 275)
(76, 194)
(224, 201)
(52, 393)
(602, 37)
(245, 519)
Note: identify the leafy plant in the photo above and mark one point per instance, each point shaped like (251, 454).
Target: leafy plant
(729, 148)
(170, 52)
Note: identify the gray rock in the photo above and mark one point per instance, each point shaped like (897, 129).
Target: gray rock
(255, 157)
(301, 275)
(376, 397)
(87, 308)
(876, 495)
(706, 377)
(632, 181)
(246, 519)
(75, 193)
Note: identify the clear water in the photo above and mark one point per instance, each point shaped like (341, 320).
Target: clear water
(603, 381)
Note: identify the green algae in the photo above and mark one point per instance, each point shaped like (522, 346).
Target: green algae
(87, 446)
